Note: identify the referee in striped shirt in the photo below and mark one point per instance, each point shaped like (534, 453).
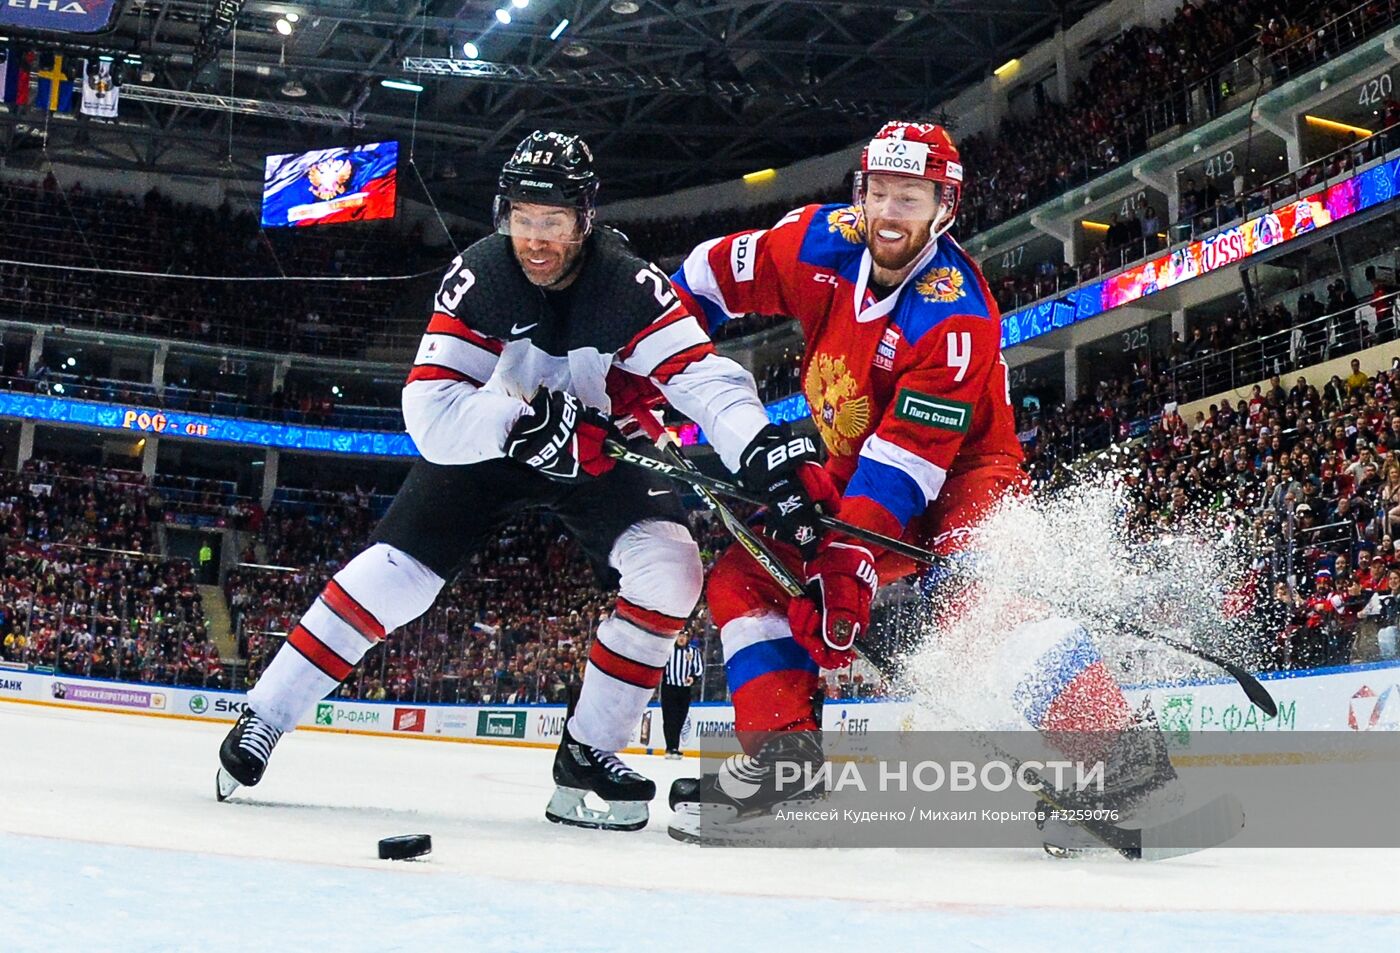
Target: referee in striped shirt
(676, 683)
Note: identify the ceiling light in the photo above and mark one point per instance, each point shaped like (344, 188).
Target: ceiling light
(903, 16)
(503, 16)
(283, 27)
(555, 33)
(470, 51)
(293, 88)
(1331, 125)
(762, 175)
(402, 84)
(625, 7)
(520, 4)
(293, 17)
(575, 49)
(1006, 69)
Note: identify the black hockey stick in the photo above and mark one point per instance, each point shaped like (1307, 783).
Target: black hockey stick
(1204, 827)
(686, 472)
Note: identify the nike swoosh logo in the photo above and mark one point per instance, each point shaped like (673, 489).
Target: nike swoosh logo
(515, 329)
(657, 492)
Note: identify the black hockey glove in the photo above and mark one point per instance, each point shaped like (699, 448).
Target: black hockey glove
(786, 471)
(561, 438)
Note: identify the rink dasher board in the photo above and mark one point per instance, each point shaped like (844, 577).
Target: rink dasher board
(1350, 698)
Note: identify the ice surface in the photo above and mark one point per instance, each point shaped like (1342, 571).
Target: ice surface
(111, 840)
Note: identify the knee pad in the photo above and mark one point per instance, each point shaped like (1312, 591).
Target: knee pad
(387, 585)
(661, 573)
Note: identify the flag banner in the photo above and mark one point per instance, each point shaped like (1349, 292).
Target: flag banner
(100, 91)
(14, 77)
(52, 86)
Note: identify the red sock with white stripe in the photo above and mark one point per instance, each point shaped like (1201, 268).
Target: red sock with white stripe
(625, 664)
(661, 574)
(375, 593)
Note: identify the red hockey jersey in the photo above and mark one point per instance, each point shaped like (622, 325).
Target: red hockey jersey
(905, 389)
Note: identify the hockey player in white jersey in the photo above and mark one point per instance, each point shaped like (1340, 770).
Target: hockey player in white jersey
(542, 338)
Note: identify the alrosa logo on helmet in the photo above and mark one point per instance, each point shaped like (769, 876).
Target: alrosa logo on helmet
(897, 155)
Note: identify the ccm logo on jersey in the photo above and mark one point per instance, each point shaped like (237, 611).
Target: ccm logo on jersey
(897, 155)
(742, 254)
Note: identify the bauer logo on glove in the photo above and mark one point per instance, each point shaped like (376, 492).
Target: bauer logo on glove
(786, 471)
(560, 438)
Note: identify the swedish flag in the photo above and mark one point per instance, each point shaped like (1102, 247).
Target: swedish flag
(52, 87)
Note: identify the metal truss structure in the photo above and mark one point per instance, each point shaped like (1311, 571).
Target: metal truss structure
(671, 93)
(290, 111)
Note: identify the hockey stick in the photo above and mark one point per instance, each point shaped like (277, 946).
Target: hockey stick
(683, 470)
(687, 472)
(1207, 826)
(1221, 818)
(667, 444)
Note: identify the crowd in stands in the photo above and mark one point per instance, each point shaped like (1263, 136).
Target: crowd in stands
(1144, 81)
(1139, 84)
(1205, 206)
(81, 589)
(105, 233)
(1306, 470)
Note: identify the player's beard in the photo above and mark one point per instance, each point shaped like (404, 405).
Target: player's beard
(547, 264)
(896, 255)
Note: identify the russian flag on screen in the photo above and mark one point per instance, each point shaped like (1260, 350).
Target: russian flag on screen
(331, 185)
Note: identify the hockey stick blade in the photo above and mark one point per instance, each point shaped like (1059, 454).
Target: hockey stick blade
(1208, 825)
(1254, 690)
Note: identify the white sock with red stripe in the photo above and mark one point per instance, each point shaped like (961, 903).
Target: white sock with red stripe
(661, 579)
(376, 592)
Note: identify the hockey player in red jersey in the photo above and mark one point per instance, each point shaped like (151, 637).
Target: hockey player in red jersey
(903, 372)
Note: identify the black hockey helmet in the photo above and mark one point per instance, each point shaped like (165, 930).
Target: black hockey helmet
(548, 168)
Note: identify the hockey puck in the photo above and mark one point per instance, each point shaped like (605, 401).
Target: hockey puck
(405, 847)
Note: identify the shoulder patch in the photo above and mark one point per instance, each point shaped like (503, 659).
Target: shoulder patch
(949, 285)
(937, 413)
(848, 221)
(835, 240)
(942, 285)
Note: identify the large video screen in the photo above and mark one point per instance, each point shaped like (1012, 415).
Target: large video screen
(349, 184)
(74, 16)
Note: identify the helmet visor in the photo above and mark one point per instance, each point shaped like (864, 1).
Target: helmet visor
(903, 197)
(532, 221)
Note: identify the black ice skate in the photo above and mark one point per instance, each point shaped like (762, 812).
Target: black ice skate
(244, 753)
(737, 804)
(1141, 805)
(580, 770)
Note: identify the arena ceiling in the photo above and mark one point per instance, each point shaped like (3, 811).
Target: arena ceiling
(669, 94)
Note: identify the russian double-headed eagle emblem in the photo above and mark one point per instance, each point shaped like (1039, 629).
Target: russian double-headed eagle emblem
(847, 221)
(841, 417)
